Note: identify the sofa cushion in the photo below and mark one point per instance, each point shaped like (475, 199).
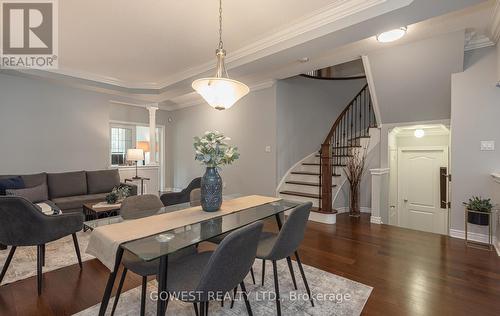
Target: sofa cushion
(30, 180)
(75, 202)
(102, 181)
(67, 184)
(34, 194)
(11, 183)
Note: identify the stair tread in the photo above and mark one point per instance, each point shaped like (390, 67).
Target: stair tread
(311, 184)
(317, 164)
(318, 155)
(312, 173)
(296, 193)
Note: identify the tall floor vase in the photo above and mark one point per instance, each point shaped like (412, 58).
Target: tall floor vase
(354, 207)
(211, 190)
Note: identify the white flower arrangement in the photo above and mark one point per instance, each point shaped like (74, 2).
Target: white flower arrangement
(213, 151)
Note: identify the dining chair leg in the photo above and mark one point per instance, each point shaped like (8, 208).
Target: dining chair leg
(304, 277)
(111, 281)
(245, 297)
(162, 305)
(7, 262)
(292, 273)
(277, 288)
(77, 249)
(263, 270)
(143, 295)
(202, 309)
(43, 255)
(196, 309)
(119, 291)
(234, 296)
(39, 272)
(253, 275)
(206, 307)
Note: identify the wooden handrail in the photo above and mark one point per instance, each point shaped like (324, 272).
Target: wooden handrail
(352, 124)
(341, 115)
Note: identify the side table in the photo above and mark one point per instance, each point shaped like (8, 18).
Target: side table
(142, 179)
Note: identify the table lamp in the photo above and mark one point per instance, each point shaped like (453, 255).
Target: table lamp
(135, 155)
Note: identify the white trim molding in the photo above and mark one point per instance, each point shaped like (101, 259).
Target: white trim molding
(376, 220)
(371, 85)
(494, 32)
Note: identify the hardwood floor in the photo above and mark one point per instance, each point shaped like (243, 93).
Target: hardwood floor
(413, 273)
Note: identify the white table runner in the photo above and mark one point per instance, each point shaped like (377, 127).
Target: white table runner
(105, 240)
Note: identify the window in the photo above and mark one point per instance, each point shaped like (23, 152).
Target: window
(127, 136)
(121, 141)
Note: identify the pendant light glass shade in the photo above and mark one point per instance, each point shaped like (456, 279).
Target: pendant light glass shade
(219, 91)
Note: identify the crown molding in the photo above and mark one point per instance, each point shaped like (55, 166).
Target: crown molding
(476, 41)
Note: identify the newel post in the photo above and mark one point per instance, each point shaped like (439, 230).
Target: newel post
(326, 178)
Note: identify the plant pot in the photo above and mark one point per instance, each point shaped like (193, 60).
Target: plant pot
(478, 219)
(211, 190)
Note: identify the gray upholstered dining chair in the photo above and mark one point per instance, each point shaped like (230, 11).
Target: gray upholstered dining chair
(283, 245)
(138, 206)
(134, 207)
(23, 224)
(198, 278)
(195, 197)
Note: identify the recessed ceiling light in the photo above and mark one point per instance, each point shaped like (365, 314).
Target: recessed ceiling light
(304, 59)
(392, 35)
(419, 133)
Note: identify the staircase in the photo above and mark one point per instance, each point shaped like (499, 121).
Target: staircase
(319, 177)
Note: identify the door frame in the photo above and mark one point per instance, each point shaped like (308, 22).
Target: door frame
(446, 150)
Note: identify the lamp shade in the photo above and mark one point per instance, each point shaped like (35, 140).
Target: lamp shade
(135, 154)
(144, 145)
(220, 93)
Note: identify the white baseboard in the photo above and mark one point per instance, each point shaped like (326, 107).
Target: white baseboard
(456, 233)
(376, 220)
(345, 209)
(496, 243)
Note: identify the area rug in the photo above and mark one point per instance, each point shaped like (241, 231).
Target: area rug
(334, 295)
(58, 254)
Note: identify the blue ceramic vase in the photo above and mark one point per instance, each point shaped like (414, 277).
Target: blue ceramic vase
(211, 190)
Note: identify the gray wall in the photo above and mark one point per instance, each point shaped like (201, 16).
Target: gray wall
(474, 117)
(413, 82)
(251, 124)
(55, 128)
(306, 111)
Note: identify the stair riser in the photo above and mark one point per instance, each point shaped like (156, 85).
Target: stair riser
(301, 188)
(303, 177)
(307, 168)
(300, 199)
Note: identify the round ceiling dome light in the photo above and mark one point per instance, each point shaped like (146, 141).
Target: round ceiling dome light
(419, 133)
(392, 35)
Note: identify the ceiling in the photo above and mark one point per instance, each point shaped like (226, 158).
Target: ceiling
(151, 50)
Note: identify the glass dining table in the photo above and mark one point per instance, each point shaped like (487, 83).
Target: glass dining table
(161, 245)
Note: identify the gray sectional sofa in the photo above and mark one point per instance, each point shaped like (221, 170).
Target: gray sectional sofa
(70, 190)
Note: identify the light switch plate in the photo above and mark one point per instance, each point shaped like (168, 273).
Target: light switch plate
(487, 145)
(268, 149)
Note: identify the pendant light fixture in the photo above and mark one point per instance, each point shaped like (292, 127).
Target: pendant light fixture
(220, 92)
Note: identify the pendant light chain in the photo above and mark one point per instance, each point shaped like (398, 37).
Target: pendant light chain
(221, 44)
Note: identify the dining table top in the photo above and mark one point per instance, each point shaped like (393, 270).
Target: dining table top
(187, 226)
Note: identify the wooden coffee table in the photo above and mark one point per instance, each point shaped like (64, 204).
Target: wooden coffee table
(93, 213)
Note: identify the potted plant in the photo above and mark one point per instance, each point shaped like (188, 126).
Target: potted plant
(212, 151)
(354, 170)
(480, 205)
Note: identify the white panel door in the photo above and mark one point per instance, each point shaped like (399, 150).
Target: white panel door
(419, 191)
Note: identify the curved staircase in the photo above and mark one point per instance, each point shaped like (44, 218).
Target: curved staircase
(319, 177)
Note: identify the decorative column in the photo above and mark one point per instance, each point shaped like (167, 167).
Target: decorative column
(152, 133)
(380, 194)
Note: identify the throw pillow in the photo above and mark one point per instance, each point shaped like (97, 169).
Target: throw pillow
(36, 194)
(11, 183)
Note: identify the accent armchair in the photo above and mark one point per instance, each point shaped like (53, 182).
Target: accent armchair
(22, 224)
(173, 198)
